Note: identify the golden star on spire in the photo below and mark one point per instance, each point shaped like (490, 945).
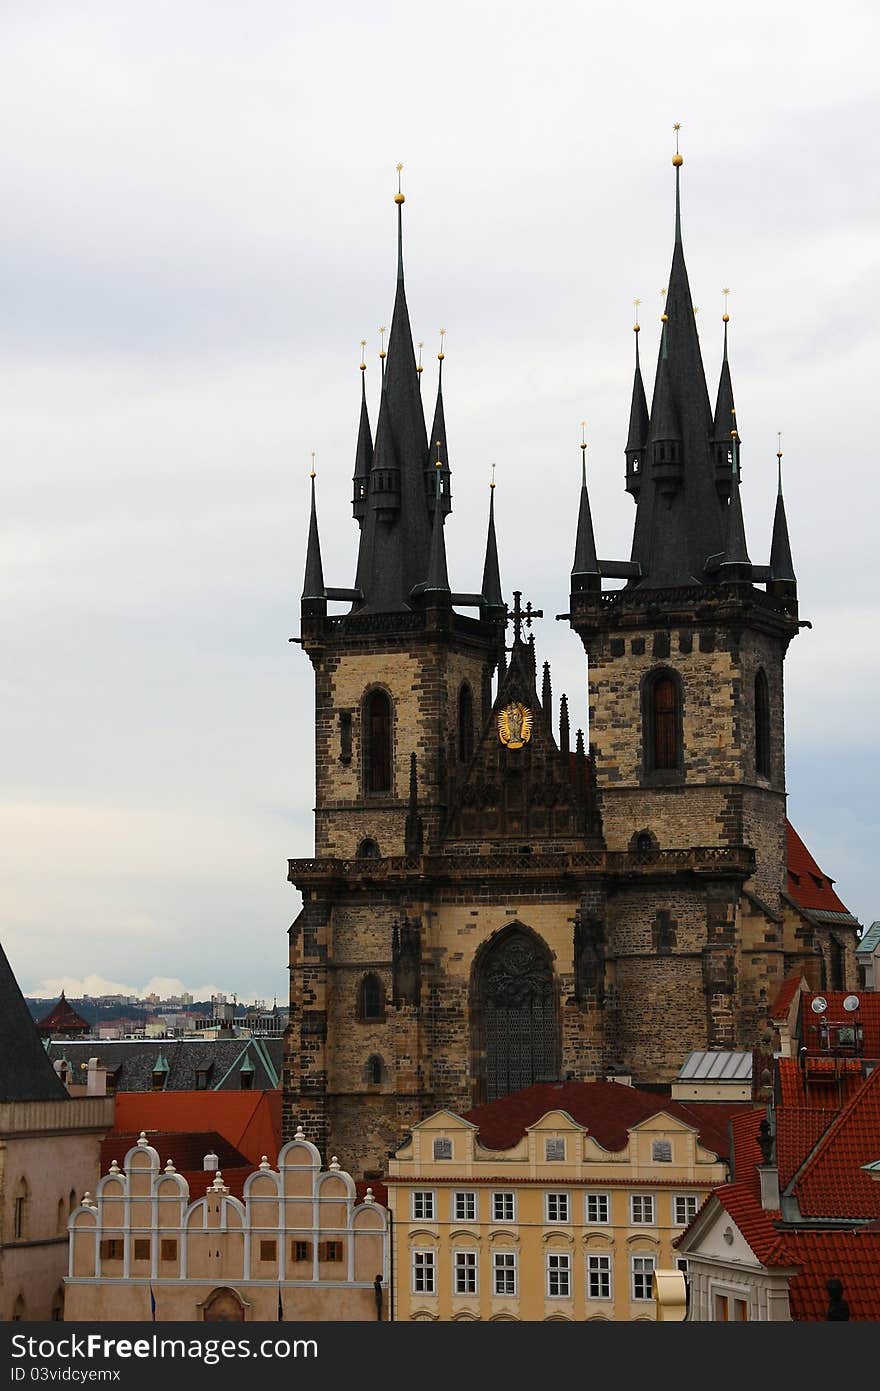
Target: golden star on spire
(382, 340)
(677, 158)
(725, 317)
(583, 434)
(441, 354)
(312, 474)
(492, 480)
(398, 197)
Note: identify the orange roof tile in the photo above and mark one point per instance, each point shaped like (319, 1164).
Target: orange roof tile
(807, 885)
(867, 1016)
(784, 996)
(852, 1257)
(249, 1121)
(833, 1184)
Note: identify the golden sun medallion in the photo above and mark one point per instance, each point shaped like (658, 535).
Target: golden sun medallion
(515, 725)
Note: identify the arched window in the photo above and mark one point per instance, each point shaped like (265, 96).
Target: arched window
(465, 724)
(368, 850)
(372, 999)
(376, 726)
(71, 1201)
(20, 1211)
(374, 1070)
(762, 726)
(661, 712)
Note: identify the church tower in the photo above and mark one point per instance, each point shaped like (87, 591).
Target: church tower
(686, 717)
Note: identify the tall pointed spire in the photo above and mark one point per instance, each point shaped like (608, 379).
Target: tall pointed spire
(491, 586)
(313, 581)
(396, 535)
(438, 577)
(637, 435)
(724, 411)
(585, 569)
(437, 447)
(782, 576)
(564, 726)
(363, 456)
(679, 520)
(736, 564)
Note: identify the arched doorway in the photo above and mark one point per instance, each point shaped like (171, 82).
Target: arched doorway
(515, 1014)
(223, 1306)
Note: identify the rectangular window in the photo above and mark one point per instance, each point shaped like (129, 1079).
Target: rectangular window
(423, 1272)
(332, 1250)
(641, 1209)
(557, 1207)
(168, 1249)
(554, 1150)
(598, 1277)
(504, 1272)
(111, 1249)
(558, 1276)
(19, 1218)
(598, 1209)
(141, 1248)
(464, 1207)
(300, 1250)
(661, 1151)
(642, 1270)
(423, 1207)
(684, 1207)
(268, 1251)
(503, 1207)
(465, 1272)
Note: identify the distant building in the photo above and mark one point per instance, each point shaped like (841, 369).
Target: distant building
(868, 957)
(49, 1146)
(556, 1202)
(187, 1064)
(62, 1021)
(798, 1230)
(298, 1244)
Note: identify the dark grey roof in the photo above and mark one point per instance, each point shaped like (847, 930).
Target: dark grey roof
(363, 456)
(134, 1060)
(438, 574)
(637, 436)
(781, 565)
(675, 535)
(438, 436)
(735, 550)
(871, 939)
(491, 586)
(26, 1073)
(585, 562)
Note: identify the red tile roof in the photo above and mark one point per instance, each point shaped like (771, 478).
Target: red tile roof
(63, 1019)
(784, 996)
(807, 885)
(832, 1184)
(249, 1121)
(756, 1223)
(187, 1149)
(867, 1016)
(825, 1085)
(745, 1151)
(798, 1130)
(606, 1109)
(853, 1257)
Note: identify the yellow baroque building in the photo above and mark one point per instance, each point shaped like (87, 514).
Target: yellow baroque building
(557, 1225)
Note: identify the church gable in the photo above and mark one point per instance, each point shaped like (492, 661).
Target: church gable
(519, 784)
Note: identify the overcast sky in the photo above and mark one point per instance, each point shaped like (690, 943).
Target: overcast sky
(198, 229)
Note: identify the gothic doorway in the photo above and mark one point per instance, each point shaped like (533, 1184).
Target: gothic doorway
(515, 1015)
(223, 1306)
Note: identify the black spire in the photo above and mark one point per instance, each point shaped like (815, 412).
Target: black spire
(437, 448)
(395, 539)
(637, 436)
(413, 829)
(679, 521)
(724, 420)
(736, 564)
(491, 587)
(313, 582)
(782, 576)
(585, 570)
(363, 456)
(546, 693)
(438, 575)
(26, 1074)
(564, 727)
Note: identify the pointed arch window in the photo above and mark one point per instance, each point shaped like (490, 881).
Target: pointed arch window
(372, 999)
(762, 725)
(465, 723)
(662, 725)
(377, 729)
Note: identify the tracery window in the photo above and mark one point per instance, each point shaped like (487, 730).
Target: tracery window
(377, 730)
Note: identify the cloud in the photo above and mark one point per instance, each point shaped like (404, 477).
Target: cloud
(163, 986)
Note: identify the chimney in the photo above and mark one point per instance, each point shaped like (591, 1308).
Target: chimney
(96, 1078)
(211, 1163)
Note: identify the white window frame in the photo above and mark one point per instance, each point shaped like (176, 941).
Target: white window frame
(601, 1198)
(465, 1261)
(503, 1194)
(604, 1273)
(469, 1205)
(425, 1198)
(646, 1200)
(559, 1264)
(561, 1201)
(506, 1264)
(677, 1198)
(642, 1273)
(424, 1262)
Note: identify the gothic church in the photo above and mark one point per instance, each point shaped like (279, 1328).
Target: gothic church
(488, 906)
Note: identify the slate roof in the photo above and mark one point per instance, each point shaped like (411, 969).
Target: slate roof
(606, 1109)
(26, 1074)
(133, 1061)
(871, 939)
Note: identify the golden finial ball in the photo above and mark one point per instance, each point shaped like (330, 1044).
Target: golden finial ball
(399, 198)
(637, 328)
(664, 318)
(678, 160)
(725, 318)
(363, 367)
